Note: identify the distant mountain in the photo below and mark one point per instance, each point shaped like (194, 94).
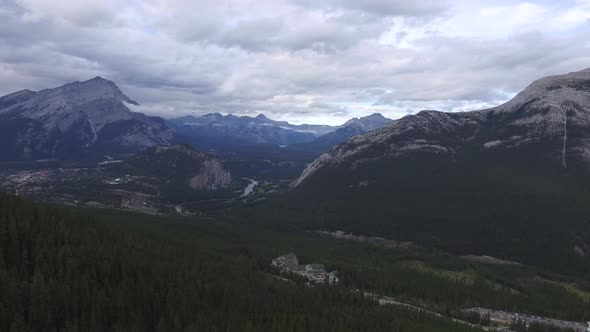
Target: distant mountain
(73, 121)
(352, 127)
(368, 123)
(510, 181)
(258, 146)
(215, 130)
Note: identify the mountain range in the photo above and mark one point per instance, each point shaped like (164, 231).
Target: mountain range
(91, 119)
(216, 130)
(221, 131)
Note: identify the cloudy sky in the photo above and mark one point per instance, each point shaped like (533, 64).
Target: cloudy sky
(314, 61)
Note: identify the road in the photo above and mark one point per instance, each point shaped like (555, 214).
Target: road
(392, 301)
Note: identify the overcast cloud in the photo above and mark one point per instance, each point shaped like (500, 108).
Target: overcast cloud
(297, 60)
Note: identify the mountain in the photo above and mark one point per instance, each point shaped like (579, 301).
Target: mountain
(350, 128)
(76, 120)
(230, 132)
(551, 118)
(215, 130)
(181, 164)
(510, 181)
(368, 123)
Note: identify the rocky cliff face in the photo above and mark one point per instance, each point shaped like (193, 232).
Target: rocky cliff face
(211, 176)
(550, 120)
(75, 120)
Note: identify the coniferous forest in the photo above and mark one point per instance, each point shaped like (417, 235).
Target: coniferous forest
(65, 271)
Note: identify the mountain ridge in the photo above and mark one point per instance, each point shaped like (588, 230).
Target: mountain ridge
(545, 110)
(214, 130)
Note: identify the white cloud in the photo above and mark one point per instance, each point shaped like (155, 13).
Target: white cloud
(81, 13)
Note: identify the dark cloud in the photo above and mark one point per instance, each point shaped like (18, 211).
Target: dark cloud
(382, 7)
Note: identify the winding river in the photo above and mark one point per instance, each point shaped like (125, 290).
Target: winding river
(250, 187)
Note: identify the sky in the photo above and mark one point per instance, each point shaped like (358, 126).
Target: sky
(304, 61)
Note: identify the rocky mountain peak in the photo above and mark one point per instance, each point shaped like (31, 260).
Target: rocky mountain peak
(97, 98)
(375, 116)
(350, 128)
(554, 90)
(368, 123)
(92, 89)
(78, 117)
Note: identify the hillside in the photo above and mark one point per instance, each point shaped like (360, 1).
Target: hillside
(509, 181)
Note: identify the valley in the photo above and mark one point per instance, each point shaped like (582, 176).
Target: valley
(459, 219)
(295, 166)
(103, 185)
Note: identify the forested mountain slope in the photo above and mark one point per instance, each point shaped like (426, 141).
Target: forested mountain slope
(510, 181)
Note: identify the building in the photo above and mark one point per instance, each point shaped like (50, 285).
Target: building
(315, 273)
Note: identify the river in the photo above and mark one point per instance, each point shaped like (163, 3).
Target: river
(250, 187)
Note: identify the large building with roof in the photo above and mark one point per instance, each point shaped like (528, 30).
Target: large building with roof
(315, 273)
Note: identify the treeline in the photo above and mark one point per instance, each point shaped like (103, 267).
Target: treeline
(60, 271)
